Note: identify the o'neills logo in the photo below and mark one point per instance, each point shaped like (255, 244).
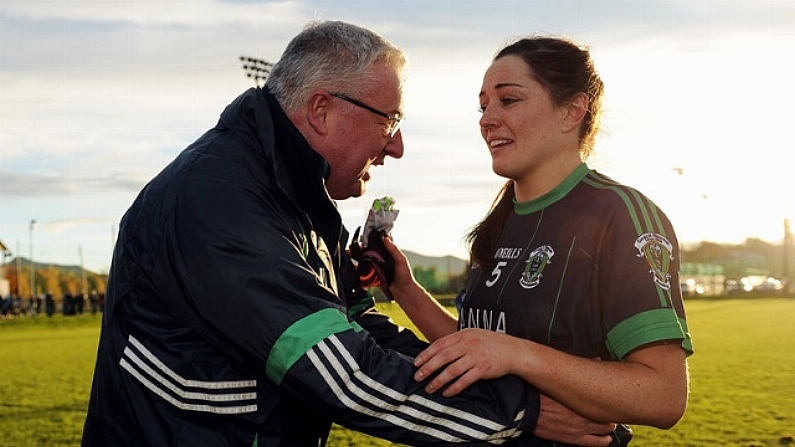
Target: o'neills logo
(657, 251)
(536, 263)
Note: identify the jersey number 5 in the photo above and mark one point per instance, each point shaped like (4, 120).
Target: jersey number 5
(495, 274)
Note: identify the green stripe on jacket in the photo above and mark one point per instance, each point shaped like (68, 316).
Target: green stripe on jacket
(299, 338)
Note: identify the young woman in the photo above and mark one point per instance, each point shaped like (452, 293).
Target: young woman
(574, 281)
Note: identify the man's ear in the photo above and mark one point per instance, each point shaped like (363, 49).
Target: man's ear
(575, 111)
(317, 111)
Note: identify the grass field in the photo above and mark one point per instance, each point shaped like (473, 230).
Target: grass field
(742, 379)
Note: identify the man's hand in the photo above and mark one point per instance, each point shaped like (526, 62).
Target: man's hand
(557, 422)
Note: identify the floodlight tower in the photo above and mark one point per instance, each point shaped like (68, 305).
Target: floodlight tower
(256, 69)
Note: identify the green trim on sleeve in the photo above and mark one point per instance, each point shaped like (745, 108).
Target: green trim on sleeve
(301, 337)
(361, 305)
(648, 327)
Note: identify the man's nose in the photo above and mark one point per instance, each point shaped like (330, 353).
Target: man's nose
(394, 148)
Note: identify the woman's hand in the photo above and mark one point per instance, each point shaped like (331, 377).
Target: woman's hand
(403, 281)
(469, 355)
(465, 357)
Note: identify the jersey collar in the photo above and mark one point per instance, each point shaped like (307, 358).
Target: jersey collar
(557, 193)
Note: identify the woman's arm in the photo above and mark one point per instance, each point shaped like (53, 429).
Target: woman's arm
(648, 387)
(430, 317)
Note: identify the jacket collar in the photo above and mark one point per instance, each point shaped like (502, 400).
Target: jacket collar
(300, 172)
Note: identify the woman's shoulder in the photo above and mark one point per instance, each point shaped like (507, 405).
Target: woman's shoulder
(605, 188)
(618, 202)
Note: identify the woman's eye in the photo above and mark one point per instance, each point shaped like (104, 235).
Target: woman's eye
(508, 101)
(503, 101)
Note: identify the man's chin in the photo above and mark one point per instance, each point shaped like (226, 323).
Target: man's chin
(356, 190)
(359, 192)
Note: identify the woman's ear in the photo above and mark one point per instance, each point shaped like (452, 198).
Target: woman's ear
(575, 112)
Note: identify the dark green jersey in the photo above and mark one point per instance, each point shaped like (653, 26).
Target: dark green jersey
(591, 269)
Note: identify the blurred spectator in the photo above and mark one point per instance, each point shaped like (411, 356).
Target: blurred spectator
(68, 307)
(49, 304)
(93, 299)
(80, 303)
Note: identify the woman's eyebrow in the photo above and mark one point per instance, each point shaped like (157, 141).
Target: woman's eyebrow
(503, 85)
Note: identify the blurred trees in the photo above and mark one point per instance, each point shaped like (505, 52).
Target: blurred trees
(55, 279)
(438, 282)
(738, 260)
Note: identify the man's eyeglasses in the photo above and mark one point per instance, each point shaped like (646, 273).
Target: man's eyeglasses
(394, 120)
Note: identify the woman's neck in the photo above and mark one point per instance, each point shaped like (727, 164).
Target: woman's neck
(544, 178)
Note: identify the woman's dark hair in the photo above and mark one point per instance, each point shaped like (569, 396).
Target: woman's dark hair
(565, 70)
(483, 238)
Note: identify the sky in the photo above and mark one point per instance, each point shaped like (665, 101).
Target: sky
(96, 97)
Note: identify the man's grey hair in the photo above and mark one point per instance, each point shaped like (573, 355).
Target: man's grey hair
(334, 55)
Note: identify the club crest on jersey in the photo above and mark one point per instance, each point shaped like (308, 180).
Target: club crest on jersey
(658, 252)
(536, 263)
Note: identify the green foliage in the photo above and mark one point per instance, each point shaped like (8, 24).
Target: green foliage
(742, 378)
(436, 282)
(426, 277)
